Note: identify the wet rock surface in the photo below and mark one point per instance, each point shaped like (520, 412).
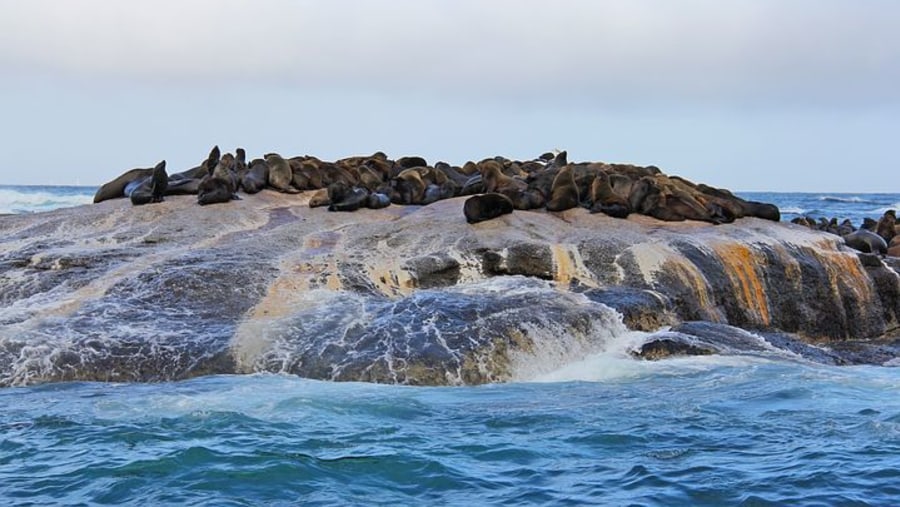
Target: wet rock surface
(414, 294)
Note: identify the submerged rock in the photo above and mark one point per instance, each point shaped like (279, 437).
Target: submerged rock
(666, 347)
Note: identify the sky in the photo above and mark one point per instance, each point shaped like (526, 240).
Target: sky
(771, 95)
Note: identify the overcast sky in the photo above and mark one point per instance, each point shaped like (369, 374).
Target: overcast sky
(744, 94)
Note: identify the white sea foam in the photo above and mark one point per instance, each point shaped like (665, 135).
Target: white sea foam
(34, 199)
(881, 211)
(612, 360)
(616, 364)
(851, 199)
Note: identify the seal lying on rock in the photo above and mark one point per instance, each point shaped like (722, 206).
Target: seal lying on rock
(151, 189)
(374, 181)
(319, 198)
(343, 197)
(116, 188)
(483, 207)
(866, 241)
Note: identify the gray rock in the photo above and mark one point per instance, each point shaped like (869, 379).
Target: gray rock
(115, 292)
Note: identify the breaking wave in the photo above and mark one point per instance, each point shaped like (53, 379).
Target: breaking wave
(16, 199)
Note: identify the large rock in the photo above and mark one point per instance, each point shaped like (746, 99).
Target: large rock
(403, 294)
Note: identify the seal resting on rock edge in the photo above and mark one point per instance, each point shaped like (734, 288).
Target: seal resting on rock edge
(116, 188)
(483, 207)
(866, 241)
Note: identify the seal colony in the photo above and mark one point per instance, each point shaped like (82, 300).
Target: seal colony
(880, 236)
(496, 186)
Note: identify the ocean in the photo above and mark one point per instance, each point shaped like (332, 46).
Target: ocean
(604, 429)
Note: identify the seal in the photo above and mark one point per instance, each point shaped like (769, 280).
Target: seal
(672, 200)
(563, 191)
(256, 177)
(306, 174)
(408, 187)
(410, 162)
(343, 197)
(496, 181)
(885, 225)
(866, 241)
(149, 188)
(378, 200)
(605, 200)
(332, 173)
(369, 175)
(845, 227)
(894, 247)
(804, 221)
(280, 174)
(240, 165)
(218, 185)
(319, 198)
(453, 174)
(116, 188)
(188, 182)
(159, 182)
(559, 160)
(421, 185)
(488, 206)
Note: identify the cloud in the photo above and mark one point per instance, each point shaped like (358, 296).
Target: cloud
(582, 52)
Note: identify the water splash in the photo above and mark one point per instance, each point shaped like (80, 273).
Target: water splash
(495, 330)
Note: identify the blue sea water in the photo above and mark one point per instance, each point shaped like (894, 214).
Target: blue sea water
(605, 430)
(35, 198)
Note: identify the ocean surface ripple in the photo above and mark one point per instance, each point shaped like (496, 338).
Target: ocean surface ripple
(695, 431)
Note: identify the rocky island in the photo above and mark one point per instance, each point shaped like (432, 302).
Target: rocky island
(410, 292)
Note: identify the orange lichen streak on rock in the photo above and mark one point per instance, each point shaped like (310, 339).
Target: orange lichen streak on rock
(686, 271)
(845, 270)
(741, 265)
(568, 266)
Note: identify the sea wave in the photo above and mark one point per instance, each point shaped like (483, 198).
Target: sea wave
(882, 210)
(667, 438)
(32, 199)
(851, 199)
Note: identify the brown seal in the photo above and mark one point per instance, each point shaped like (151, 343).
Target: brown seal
(605, 200)
(280, 174)
(564, 191)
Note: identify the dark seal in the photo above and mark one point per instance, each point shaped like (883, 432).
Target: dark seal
(483, 207)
